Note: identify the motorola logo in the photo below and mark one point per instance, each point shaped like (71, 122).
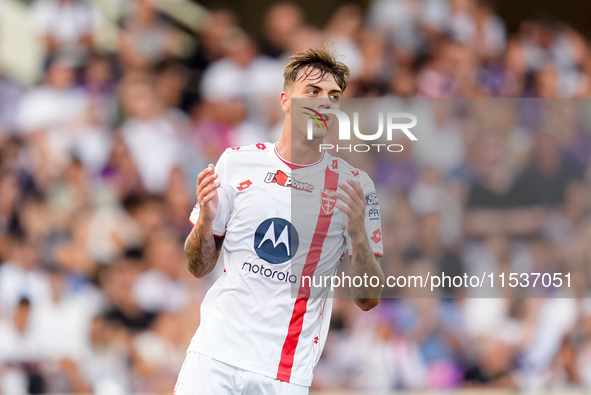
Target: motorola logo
(276, 240)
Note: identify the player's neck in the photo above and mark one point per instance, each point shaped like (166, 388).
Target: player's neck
(298, 151)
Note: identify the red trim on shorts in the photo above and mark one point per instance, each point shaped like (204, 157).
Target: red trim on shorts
(301, 304)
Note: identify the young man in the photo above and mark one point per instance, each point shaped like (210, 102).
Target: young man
(257, 336)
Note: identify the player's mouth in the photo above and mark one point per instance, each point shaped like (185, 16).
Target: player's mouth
(323, 117)
(316, 114)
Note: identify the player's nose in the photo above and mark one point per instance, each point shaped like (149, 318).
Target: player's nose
(324, 102)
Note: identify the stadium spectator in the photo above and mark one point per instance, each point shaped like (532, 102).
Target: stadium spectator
(146, 38)
(280, 22)
(66, 27)
(150, 132)
(51, 115)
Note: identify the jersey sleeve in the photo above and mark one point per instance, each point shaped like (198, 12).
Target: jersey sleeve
(224, 207)
(373, 223)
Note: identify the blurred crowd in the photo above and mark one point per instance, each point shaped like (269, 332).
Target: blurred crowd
(99, 159)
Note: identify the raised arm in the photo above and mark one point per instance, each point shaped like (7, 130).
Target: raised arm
(202, 249)
(363, 260)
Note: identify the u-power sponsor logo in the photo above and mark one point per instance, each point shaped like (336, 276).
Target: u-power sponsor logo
(280, 178)
(394, 121)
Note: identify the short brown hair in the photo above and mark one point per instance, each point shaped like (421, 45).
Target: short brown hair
(321, 59)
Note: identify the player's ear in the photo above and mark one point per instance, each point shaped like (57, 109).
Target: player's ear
(285, 102)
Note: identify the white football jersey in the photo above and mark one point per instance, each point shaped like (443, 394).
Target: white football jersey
(258, 315)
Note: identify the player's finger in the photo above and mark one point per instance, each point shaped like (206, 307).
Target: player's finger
(348, 201)
(211, 187)
(204, 173)
(343, 208)
(206, 182)
(351, 194)
(357, 187)
(207, 199)
(208, 179)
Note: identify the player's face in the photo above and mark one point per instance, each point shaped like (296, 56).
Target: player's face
(323, 92)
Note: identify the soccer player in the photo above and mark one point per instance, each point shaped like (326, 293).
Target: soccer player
(255, 337)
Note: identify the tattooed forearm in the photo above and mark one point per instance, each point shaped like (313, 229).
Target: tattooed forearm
(365, 263)
(202, 251)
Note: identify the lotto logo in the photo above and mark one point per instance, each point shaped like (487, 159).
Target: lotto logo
(377, 236)
(243, 185)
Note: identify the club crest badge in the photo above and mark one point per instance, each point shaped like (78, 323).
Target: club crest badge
(328, 201)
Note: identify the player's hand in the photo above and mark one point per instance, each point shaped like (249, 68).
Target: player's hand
(207, 194)
(354, 207)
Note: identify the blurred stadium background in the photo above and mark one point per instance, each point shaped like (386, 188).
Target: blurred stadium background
(110, 108)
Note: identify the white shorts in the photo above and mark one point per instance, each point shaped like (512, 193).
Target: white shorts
(202, 375)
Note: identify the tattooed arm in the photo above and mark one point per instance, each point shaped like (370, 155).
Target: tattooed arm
(202, 249)
(365, 264)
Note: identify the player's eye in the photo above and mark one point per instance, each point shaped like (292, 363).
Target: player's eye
(335, 98)
(312, 92)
